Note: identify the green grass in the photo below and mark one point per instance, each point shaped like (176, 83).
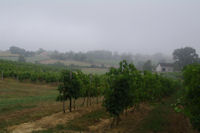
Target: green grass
(94, 70)
(173, 75)
(107, 61)
(14, 93)
(36, 58)
(82, 123)
(9, 58)
(22, 102)
(7, 54)
(66, 62)
(157, 119)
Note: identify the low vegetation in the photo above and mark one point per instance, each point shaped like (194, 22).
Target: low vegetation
(122, 89)
(191, 98)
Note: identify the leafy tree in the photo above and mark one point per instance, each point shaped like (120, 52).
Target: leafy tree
(155, 87)
(115, 97)
(20, 51)
(17, 50)
(40, 50)
(147, 66)
(185, 56)
(123, 83)
(192, 98)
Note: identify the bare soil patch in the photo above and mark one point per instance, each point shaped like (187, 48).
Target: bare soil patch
(50, 121)
(179, 124)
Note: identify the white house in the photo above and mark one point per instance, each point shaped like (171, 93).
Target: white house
(164, 67)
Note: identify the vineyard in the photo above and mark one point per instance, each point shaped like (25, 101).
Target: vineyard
(119, 90)
(29, 71)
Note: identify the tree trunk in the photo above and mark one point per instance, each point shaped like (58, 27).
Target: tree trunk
(70, 104)
(63, 106)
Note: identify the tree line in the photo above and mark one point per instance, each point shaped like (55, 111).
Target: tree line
(89, 56)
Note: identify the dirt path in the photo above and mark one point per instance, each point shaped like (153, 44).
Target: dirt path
(147, 119)
(159, 118)
(51, 121)
(129, 122)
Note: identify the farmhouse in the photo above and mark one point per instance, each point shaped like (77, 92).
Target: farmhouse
(164, 67)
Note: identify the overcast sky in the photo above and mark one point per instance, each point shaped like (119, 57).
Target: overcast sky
(136, 26)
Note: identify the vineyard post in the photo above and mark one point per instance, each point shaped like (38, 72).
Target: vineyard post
(87, 97)
(2, 75)
(90, 88)
(70, 98)
(64, 103)
(97, 99)
(96, 87)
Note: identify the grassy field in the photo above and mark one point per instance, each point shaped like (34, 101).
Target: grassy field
(7, 54)
(67, 62)
(22, 102)
(46, 60)
(94, 70)
(37, 58)
(108, 62)
(27, 102)
(157, 117)
(9, 58)
(4, 55)
(78, 63)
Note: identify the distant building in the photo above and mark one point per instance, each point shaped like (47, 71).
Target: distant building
(164, 67)
(44, 54)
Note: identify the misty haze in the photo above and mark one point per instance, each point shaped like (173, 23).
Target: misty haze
(109, 66)
(125, 26)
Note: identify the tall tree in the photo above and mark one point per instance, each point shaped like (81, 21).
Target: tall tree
(17, 50)
(191, 75)
(185, 56)
(147, 66)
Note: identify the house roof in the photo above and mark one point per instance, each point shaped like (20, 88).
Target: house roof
(166, 64)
